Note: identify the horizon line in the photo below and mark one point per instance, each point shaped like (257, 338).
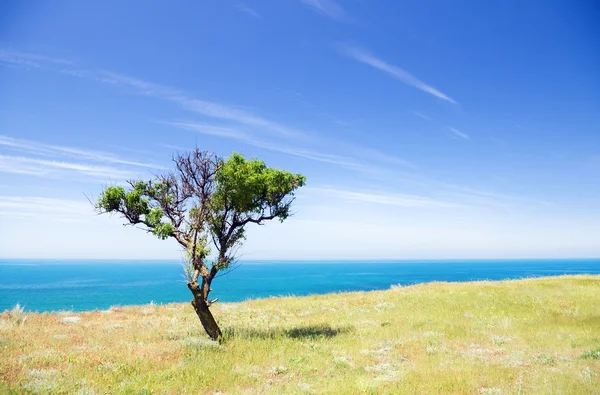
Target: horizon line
(311, 260)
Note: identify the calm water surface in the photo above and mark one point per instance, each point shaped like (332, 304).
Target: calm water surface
(46, 285)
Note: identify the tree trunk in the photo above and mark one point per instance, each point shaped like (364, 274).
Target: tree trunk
(202, 310)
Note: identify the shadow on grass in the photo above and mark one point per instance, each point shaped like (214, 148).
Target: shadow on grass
(303, 332)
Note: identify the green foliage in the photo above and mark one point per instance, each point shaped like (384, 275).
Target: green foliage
(250, 187)
(545, 359)
(154, 216)
(133, 204)
(111, 198)
(208, 199)
(202, 249)
(136, 202)
(592, 354)
(163, 230)
(222, 263)
(136, 206)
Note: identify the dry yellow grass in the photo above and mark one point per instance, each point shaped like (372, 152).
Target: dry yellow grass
(528, 336)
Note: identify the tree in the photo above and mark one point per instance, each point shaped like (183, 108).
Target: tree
(205, 201)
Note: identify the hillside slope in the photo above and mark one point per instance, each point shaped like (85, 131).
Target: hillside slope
(524, 336)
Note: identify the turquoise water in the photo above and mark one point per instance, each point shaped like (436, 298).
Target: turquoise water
(45, 285)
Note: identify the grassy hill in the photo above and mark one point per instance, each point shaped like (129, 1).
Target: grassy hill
(527, 336)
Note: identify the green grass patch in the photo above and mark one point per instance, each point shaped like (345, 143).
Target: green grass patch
(526, 336)
(592, 354)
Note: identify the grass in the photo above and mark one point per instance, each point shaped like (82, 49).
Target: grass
(513, 337)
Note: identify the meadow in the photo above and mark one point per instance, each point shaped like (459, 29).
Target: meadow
(530, 336)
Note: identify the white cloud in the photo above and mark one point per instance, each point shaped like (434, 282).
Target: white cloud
(379, 156)
(498, 142)
(370, 237)
(34, 206)
(42, 167)
(396, 72)
(363, 226)
(8, 165)
(499, 199)
(59, 162)
(254, 126)
(460, 134)
(28, 59)
(212, 130)
(46, 228)
(338, 160)
(372, 225)
(327, 8)
(247, 139)
(37, 148)
(421, 115)
(389, 199)
(242, 7)
(203, 107)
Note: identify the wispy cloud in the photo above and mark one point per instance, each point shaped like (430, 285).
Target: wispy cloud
(229, 133)
(240, 124)
(421, 115)
(340, 160)
(37, 148)
(327, 8)
(498, 142)
(367, 58)
(207, 108)
(460, 134)
(8, 165)
(42, 167)
(212, 130)
(28, 59)
(345, 123)
(493, 198)
(243, 7)
(333, 159)
(381, 157)
(389, 199)
(438, 195)
(33, 206)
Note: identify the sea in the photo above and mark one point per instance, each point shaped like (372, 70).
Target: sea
(81, 285)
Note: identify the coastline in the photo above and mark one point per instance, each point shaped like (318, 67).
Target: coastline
(531, 335)
(89, 285)
(392, 287)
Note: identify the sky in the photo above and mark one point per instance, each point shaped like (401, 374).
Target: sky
(426, 129)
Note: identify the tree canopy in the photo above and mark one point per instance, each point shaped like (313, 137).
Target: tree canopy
(206, 200)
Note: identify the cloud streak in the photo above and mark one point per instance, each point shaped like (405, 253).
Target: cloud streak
(421, 115)
(38, 148)
(36, 207)
(401, 75)
(250, 140)
(203, 107)
(241, 124)
(328, 8)
(398, 200)
(344, 161)
(209, 109)
(381, 157)
(212, 130)
(28, 60)
(242, 7)
(460, 134)
(42, 167)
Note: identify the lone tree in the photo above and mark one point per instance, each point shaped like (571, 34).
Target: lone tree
(206, 201)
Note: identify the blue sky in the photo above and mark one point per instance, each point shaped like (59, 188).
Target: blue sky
(426, 129)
